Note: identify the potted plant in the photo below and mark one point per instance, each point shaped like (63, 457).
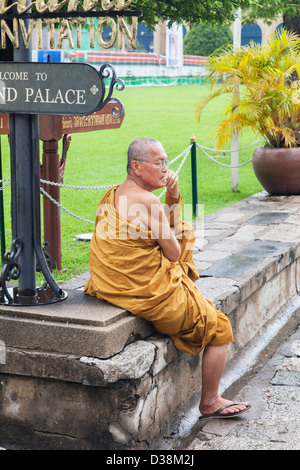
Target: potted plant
(264, 85)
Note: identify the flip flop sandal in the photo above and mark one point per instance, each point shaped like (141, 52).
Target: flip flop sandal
(217, 414)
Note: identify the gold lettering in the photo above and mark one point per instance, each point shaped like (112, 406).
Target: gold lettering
(26, 34)
(43, 6)
(108, 4)
(40, 6)
(131, 36)
(92, 33)
(22, 7)
(78, 22)
(67, 123)
(65, 33)
(72, 6)
(118, 27)
(3, 8)
(119, 4)
(39, 29)
(51, 23)
(112, 24)
(88, 5)
(14, 37)
(51, 5)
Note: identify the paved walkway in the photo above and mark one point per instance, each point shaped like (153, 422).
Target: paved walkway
(237, 241)
(273, 389)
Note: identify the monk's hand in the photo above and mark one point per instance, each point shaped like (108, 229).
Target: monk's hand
(172, 183)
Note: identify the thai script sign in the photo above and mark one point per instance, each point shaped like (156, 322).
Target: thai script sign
(51, 88)
(97, 121)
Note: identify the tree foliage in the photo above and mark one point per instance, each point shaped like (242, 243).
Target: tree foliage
(204, 39)
(268, 10)
(192, 12)
(272, 9)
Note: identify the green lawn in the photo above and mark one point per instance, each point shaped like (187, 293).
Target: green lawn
(99, 158)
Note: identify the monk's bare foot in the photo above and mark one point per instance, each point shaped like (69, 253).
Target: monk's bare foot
(214, 405)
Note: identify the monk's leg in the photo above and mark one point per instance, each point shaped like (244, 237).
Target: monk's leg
(213, 362)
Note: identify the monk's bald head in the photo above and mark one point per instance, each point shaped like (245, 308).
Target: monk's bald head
(140, 149)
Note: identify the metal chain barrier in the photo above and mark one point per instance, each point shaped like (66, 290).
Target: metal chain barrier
(230, 151)
(203, 150)
(63, 208)
(71, 186)
(6, 185)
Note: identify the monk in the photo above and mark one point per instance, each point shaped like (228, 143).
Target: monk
(141, 260)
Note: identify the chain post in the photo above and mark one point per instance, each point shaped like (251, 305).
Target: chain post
(194, 176)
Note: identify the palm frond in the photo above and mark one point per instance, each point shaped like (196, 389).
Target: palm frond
(270, 98)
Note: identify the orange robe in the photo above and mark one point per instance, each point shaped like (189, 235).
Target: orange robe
(129, 269)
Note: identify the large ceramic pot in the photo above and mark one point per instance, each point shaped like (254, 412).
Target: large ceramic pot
(278, 169)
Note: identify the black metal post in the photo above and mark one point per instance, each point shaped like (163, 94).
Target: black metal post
(21, 145)
(194, 176)
(26, 253)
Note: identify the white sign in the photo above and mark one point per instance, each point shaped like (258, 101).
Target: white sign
(174, 46)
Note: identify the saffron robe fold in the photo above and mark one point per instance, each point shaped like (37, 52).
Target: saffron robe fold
(129, 269)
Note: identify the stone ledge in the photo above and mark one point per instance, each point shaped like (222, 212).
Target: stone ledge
(136, 360)
(80, 325)
(229, 292)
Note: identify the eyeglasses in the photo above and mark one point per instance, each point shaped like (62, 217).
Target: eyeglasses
(161, 163)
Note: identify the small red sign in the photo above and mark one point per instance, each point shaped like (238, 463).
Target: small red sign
(97, 121)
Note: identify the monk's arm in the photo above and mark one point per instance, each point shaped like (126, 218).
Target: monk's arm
(160, 227)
